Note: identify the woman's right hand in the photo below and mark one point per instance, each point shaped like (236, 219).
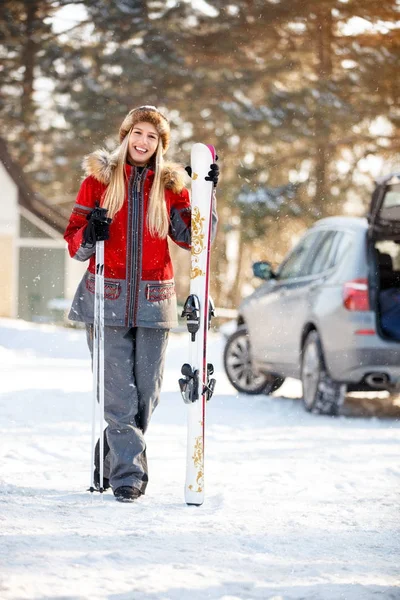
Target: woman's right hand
(98, 227)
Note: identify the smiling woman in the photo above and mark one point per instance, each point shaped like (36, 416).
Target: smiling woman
(146, 201)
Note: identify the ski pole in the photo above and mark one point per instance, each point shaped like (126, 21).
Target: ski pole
(100, 285)
(95, 375)
(98, 365)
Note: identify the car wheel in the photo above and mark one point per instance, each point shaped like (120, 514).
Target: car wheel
(240, 372)
(321, 394)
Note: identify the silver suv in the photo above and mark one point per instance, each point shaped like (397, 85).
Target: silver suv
(330, 314)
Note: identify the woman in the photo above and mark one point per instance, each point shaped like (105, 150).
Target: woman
(146, 202)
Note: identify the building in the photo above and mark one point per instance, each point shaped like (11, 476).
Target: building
(38, 279)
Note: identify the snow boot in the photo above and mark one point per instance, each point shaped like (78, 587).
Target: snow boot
(126, 493)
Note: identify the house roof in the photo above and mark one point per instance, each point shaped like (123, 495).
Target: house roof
(55, 217)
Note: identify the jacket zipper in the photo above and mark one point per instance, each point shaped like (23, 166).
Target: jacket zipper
(139, 177)
(137, 225)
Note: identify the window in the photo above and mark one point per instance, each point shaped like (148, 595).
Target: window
(392, 197)
(342, 248)
(323, 259)
(391, 204)
(296, 264)
(29, 230)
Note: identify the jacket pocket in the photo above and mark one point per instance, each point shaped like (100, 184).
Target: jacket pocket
(156, 292)
(112, 289)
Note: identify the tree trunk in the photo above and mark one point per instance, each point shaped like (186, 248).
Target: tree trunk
(235, 293)
(28, 62)
(324, 52)
(218, 269)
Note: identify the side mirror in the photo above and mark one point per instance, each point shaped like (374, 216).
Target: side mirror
(263, 270)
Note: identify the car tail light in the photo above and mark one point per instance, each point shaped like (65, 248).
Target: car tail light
(365, 332)
(355, 295)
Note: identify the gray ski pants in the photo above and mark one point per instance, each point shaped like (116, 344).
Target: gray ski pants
(133, 371)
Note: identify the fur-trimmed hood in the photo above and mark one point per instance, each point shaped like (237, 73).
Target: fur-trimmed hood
(101, 164)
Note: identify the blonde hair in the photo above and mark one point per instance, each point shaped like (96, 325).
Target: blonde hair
(114, 195)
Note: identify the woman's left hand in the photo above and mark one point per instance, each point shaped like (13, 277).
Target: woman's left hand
(213, 174)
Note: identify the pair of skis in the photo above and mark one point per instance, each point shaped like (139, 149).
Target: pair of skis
(197, 384)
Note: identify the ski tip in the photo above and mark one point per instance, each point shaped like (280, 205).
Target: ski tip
(212, 150)
(198, 145)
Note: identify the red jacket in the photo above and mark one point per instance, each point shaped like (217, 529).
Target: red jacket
(156, 262)
(139, 285)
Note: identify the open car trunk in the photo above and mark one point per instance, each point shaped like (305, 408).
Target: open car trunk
(384, 235)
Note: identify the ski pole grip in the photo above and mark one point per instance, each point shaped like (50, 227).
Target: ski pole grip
(100, 214)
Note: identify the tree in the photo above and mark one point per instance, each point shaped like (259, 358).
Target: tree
(287, 90)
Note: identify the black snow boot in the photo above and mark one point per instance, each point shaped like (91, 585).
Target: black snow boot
(126, 493)
(96, 476)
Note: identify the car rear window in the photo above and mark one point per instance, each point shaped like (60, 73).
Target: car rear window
(322, 260)
(391, 203)
(342, 247)
(296, 265)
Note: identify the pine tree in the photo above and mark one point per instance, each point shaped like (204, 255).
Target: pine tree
(285, 90)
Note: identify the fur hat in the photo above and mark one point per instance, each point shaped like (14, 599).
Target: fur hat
(148, 114)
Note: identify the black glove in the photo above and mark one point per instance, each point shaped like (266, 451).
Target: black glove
(213, 173)
(98, 227)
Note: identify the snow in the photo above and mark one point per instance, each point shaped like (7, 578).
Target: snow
(297, 506)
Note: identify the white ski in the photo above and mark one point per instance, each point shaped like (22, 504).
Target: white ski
(197, 387)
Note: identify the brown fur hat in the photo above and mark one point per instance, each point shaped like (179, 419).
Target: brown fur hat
(101, 163)
(147, 114)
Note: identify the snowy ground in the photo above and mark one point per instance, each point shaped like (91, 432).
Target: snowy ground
(297, 506)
